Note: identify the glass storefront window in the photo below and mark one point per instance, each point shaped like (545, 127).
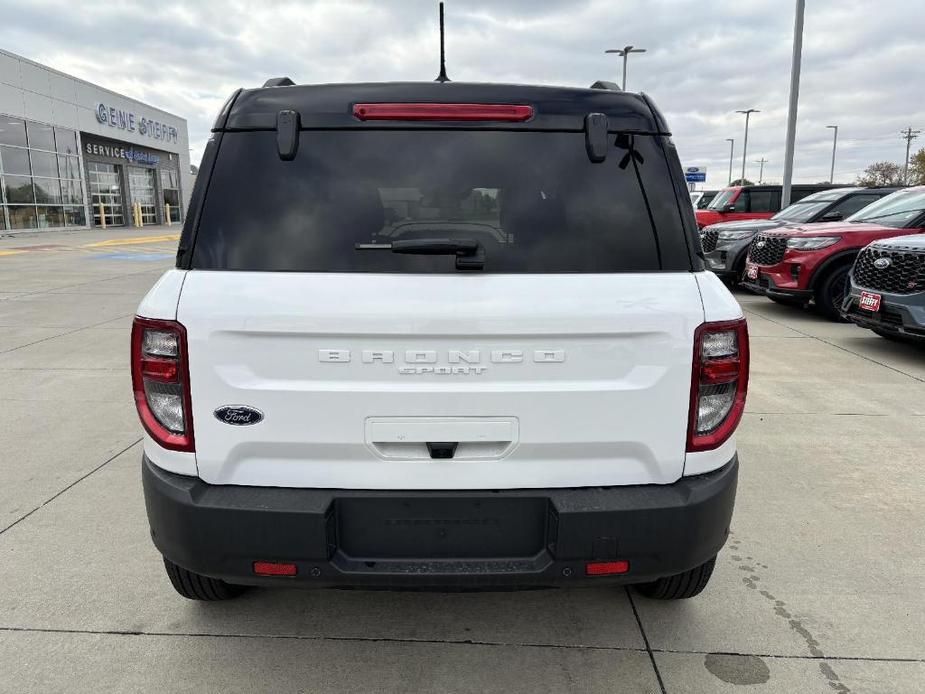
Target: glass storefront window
(21, 217)
(15, 161)
(72, 193)
(69, 167)
(74, 216)
(47, 217)
(12, 131)
(18, 189)
(66, 141)
(44, 164)
(47, 191)
(41, 136)
(39, 172)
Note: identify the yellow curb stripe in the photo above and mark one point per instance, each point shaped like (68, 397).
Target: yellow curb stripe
(133, 241)
(11, 252)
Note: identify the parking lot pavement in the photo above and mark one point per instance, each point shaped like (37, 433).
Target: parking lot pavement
(818, 590)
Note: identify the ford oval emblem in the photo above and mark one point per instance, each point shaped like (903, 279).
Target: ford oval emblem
(238, 415)
(882, 263)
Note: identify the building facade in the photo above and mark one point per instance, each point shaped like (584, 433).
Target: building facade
(75, 155)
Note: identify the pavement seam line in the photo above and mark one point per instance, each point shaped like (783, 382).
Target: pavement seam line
(307, 637)
(844, 349)
(453, 642)
(70, 486)
(70, 332)
(40, 292)
(645, 640)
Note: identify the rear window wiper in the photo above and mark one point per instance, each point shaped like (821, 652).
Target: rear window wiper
(470, 254)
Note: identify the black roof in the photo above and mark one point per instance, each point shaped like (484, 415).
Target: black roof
(330, 105)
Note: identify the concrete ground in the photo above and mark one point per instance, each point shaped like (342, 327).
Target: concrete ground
(821, 587)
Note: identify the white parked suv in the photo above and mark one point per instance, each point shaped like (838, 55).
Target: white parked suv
(439, 335)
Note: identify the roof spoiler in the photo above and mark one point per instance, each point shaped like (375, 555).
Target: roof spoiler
(610, 86)
(279, 82)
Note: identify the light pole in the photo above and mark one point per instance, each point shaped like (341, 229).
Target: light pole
(794, 101)
(748, 113)
(625, 51)
(732, 144)
(761, 161)
(834, 143)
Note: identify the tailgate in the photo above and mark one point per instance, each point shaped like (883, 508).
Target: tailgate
(466, 381)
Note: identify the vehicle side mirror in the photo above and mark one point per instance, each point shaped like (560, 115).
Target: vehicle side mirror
(730, 208)
(832, 217)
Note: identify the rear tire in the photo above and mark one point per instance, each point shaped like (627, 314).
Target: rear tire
(681, 586)
(830, 294)
(193, 586)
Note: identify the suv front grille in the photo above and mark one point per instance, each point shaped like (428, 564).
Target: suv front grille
(708, 240)
(767, 250)
(905, 273)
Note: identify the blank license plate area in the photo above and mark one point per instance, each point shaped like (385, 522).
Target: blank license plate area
(434, 528)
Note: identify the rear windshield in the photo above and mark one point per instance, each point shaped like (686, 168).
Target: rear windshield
(533, 200)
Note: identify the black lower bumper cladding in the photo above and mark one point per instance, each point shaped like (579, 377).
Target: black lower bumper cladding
(439, 539)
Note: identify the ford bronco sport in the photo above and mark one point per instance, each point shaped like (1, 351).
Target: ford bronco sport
(439, 335)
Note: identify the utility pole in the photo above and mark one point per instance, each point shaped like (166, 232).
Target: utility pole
(794, 101)
(761, 161)
(625, 52)
(748, 113)
(908, 135)
(834, 143)
(732, 143)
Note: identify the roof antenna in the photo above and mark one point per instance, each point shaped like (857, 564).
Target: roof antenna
(442, 76)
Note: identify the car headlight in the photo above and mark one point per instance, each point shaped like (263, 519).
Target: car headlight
(735, 235)
(812, 243)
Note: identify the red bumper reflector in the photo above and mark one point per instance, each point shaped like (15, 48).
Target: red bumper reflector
(606, 568)
(164, 370)
(516, 113)
(716, 371)
(273, 568)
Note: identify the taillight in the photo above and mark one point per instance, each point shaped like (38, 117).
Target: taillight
(160, 379)
(516, 113)
(719, 382)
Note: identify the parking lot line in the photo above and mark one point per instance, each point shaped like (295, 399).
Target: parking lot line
(133, 241)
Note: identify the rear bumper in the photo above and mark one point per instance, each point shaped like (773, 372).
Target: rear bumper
(441, 539)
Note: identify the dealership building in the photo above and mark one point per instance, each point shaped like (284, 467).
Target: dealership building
(75, 155)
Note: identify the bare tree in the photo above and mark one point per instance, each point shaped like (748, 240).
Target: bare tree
(882, 173)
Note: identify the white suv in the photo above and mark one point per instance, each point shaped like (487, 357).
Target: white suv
(439, 335)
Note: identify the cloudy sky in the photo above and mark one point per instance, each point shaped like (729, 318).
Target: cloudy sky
(863, 61)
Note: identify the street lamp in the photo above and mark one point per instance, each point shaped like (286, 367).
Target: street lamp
(732, 143)
(761, 161)
(795, 62)
(834, 143)
(625, 51)
(748, 113)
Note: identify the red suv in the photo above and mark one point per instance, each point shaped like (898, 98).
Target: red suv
(750, 202)
(795, 265)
